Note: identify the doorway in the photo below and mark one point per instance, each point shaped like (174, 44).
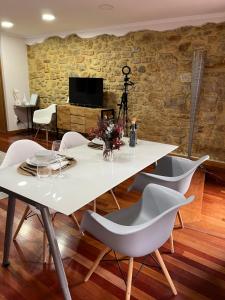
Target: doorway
(3, 124)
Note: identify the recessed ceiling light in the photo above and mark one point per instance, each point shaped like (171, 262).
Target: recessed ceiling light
(7, 24)
(106, 6)
(48, 17)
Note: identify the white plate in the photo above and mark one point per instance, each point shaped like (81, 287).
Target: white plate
(44, 154)
(98, 141)
(33, 161)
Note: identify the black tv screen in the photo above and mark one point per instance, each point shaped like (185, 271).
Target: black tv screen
(85, 91)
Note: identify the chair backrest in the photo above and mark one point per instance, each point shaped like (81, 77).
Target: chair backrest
(182, 171)
(44, 115)
(141, 228)
(172, 172)
(72, 139)
(19, 151)
(51, 108)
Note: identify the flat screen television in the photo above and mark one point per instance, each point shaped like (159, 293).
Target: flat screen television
(85, 91)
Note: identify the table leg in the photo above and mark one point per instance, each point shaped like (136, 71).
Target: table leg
(28, 120)
(8, 230)
(55, 252)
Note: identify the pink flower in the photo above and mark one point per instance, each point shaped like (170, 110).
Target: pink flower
(108, 131)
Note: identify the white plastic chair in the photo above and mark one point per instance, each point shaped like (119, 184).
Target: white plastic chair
(72, 139)
(173, 172)
(69, 140)
(18, 152)
(138, 230)
(43, 117)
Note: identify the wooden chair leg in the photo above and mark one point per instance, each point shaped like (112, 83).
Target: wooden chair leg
(44, 247)
(49, 250)
(96, 263)
(94, 205)
(165, 271)
(129, 278)
(36, 132)
(180, 219)
(171, 243)
(75, 220)
(114, 197)
(21, 222)
(47, 135)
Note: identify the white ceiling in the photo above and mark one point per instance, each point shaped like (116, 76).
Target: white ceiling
(84, 15)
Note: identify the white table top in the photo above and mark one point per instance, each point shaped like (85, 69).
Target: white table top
(88, 179)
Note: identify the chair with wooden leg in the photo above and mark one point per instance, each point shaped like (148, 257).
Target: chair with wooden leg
(172, 172)
(138, 230)
(29, 212)
(43, 117)
(72, 139)
(18, 152)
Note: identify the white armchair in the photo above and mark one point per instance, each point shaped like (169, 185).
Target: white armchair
(72, 139)
(137, 230)
(172, 172)
(43, 117)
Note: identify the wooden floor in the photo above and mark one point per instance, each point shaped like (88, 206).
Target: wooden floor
(197, 266)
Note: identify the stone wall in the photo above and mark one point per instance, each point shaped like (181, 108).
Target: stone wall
(161, 69)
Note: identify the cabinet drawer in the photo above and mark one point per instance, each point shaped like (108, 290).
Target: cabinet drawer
(77, 119)
(91, 123)
(77, 110)
(63, 117)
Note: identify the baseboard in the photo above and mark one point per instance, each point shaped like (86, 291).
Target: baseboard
(16, 131)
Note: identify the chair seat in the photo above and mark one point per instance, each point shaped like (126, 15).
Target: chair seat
(42, 120)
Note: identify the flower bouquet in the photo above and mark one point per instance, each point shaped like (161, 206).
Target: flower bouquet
(111, 133)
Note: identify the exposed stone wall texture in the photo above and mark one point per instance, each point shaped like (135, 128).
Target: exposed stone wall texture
(161, 64)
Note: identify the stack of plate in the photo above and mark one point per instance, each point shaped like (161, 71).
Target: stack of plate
(42, 158)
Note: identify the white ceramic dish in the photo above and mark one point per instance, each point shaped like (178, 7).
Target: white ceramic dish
(33, 161)
(98, 141)
(44, 154)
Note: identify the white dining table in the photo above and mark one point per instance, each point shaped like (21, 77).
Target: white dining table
(91, 177)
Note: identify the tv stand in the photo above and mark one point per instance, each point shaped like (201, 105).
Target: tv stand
(78, 118)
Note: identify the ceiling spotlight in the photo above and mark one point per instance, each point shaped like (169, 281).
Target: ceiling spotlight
(7, 24)
(48, 17)
(106, 6)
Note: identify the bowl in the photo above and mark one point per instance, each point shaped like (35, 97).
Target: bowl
(44, 155)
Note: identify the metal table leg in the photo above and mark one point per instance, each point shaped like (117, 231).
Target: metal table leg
(8, 230)
(28, 119)
(55, 251)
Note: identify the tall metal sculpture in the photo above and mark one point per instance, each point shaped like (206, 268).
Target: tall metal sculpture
(197, 74)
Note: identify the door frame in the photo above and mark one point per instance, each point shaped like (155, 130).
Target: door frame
(2, 104)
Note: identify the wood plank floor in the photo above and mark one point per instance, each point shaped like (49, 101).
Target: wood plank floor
(197, 266)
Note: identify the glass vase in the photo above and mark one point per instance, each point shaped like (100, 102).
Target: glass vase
(108, 151)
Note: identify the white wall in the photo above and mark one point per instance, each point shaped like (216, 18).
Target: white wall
(13, 52)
